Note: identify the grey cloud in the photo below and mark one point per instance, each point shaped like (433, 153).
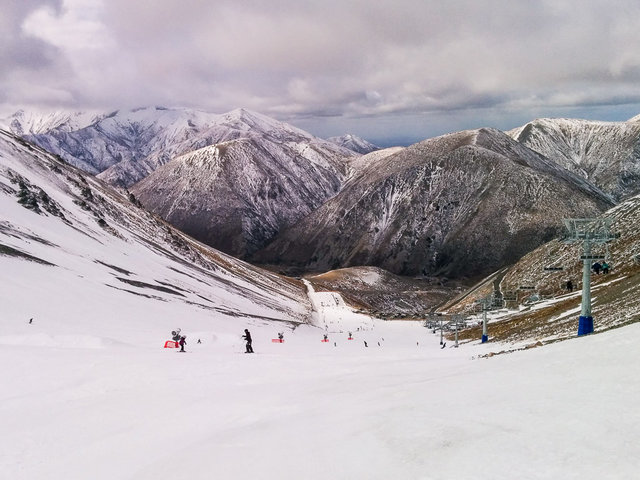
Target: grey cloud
(353, 59)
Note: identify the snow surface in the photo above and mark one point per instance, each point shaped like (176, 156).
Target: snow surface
(84, 405)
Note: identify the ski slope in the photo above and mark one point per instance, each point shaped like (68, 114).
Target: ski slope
(85, 406)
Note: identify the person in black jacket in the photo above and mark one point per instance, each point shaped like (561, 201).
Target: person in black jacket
(182, 342)
(247, 337)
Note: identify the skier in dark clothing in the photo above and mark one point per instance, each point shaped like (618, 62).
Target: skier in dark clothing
(569, 285)
(247, 337)
(596, 268)
(182, 342)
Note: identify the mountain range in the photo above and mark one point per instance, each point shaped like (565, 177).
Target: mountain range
(123, 147)
(460, 205)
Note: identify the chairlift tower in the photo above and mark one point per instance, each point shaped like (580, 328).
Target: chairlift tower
(485, 303)
(589, 231)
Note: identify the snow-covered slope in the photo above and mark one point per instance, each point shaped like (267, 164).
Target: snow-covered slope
(125, 146)
(30, 123)
(605, 153)
(462, 204)
(355, 143)
(72, 248)
(126, 136)
(305, 409)
(238, 194)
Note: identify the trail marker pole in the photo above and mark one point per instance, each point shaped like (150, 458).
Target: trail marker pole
(588, 231)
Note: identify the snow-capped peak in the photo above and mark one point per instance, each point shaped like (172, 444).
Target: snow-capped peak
(354, 143)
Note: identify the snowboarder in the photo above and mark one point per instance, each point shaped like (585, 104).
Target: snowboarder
(247, 337)
(605, 267)
(30, 321)
(182, 342)
(569, 285)
(596, 267)
(365, 344)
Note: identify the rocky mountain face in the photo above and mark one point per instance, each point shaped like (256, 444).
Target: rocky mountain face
(355, 143)
(237, 195)
(64, 231)
(605, 153)
(459, 205)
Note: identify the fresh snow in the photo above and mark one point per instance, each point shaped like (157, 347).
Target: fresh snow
(84, 401)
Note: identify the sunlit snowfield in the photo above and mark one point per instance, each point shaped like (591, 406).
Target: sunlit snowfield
(82, 406)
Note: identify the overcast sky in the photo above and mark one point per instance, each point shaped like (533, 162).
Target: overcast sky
(391, 71)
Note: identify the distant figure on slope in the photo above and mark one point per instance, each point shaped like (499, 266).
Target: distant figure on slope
(199, 341)
(281, 336)
(569, 285)
(596, 268)
(326, 338)
(605, 267)
(182, 342)
(30, 321)
(365, 344)
(247, 337)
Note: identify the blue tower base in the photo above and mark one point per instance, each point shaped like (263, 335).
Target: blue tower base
(485, 338)
(585, 325)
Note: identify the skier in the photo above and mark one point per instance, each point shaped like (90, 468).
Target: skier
(30, 321)
(605, 267)
(199, 341)
(182, 342)
(281, 336)
(247, 337)
(569, 285)
(326, 338)
(365, 344)
(596, 267)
